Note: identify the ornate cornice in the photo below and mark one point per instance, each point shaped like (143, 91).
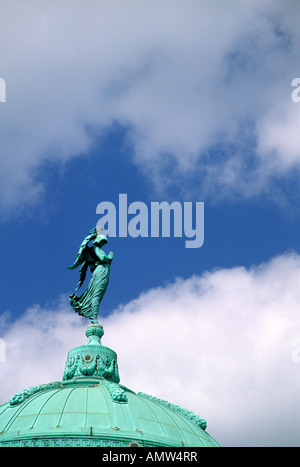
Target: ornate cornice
(200, 422)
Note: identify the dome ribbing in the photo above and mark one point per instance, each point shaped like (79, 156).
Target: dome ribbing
(89, 407)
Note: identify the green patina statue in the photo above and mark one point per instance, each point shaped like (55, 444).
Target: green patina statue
(93, 257)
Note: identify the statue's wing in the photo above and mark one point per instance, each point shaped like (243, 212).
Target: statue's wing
(80, 257)
(82, 274)
(76, 263)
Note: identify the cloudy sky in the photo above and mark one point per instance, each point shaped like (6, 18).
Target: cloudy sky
(180, 100)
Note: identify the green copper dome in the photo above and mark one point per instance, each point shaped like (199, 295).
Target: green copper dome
(90, 408)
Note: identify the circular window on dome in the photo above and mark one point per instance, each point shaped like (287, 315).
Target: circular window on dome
(134, 444)
(87, 357)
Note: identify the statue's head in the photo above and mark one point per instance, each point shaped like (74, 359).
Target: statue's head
(100, 240)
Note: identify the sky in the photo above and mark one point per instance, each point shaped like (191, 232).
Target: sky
(187, 101)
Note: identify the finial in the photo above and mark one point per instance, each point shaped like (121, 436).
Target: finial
(94, 332)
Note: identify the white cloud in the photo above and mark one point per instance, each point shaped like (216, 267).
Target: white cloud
(183, 77)
(221, 345)
(279, 137)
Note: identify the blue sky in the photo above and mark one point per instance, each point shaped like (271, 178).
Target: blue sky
(237, 233)
(185, 101)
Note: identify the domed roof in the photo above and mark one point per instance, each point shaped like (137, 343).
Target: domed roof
(86, 415)
(90, 408)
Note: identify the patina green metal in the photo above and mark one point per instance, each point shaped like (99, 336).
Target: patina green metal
(86, 415)
(92, 359)
(186, 413)
(93, 257)
(27, 393)
(90, 407)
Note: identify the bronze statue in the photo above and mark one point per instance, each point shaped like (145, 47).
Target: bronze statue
(93, 257)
